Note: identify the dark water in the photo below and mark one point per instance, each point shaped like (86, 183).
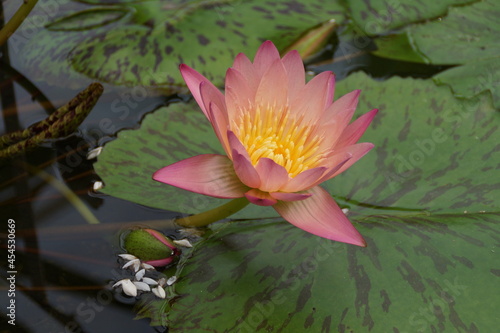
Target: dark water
(64, 266)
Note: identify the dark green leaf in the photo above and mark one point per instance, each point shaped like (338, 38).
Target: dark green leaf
(418, 274)
(376, 17)
(148, 49)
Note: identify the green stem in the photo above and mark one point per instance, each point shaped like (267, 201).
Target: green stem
(213, 215)
(16, 20)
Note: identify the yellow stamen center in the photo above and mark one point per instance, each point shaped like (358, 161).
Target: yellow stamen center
(273, 133)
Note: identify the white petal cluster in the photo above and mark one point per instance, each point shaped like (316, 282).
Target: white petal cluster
(142, 283)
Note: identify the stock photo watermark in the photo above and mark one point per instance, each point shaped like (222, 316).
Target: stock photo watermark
(12, 271)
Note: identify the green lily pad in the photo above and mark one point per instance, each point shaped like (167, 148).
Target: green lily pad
(397, 47)
(376, 17)
(151, 43)
(474, 78)
(467, 34)
(427, 146)
(418, 274)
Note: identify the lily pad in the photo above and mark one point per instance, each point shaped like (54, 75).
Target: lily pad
(474, 78)
(427, 146)
(376, 17)
(150, 44)
(418, 274)
(467, 36)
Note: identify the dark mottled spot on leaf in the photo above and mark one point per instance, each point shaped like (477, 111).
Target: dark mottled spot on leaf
(387, 302)
(203, 40)
(464, 261)
(327, 323)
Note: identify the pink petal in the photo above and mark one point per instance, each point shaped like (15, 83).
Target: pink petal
(287, 196)
(236, 144)
(239, 95)
(336, 163)
(354, 131)
(245, 170)
(159, 236)
(209, 174)
(312, 99)
(337, 117)
(273, 90)
(272, 175)
(260, 198)
(356, 151)
(330, 91)
(243, 65)
(320, 215)
(219, 123)
(266, 55)
(304, 180)
(193, 80)
(160, 262)
(343, 108)
(295, 71)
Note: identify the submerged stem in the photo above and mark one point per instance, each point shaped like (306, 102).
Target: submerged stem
(213, 215)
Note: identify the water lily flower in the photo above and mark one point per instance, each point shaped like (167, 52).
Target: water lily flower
(282, 138)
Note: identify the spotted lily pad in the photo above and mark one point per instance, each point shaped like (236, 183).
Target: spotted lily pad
(467, 36)
(149, 44)
(375, 17)
(424, 199)
(419, 273)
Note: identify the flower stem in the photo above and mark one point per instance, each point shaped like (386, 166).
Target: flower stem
(16, 20)
(213, 215)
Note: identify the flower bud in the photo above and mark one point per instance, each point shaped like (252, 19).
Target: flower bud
(151, 247)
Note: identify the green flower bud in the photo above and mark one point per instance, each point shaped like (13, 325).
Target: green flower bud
(151, 246)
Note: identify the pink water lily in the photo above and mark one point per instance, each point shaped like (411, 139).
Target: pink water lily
(282, 138)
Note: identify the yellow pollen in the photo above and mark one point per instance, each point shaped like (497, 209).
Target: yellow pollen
(273, 133)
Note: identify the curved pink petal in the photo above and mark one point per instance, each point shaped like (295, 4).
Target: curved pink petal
(160, 262)
(243, 65)
(310, 102)
(260, 198)
(220, 124)
(343, 108)
(304, 180)
(245, 170)
(272, 175)
(239, 95)
(336, 163)
(337, 117)
(320, 215)
(273, 90)
(160, 237)
(193, 80)
(208, 174)
(287, 196)
(295, 71)
(356, 151)
(236, 144)
(354, 131)
(266, 55)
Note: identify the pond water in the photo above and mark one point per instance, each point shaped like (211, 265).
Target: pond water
(64, 267)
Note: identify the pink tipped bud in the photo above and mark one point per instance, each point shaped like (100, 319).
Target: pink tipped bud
(152, 247)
